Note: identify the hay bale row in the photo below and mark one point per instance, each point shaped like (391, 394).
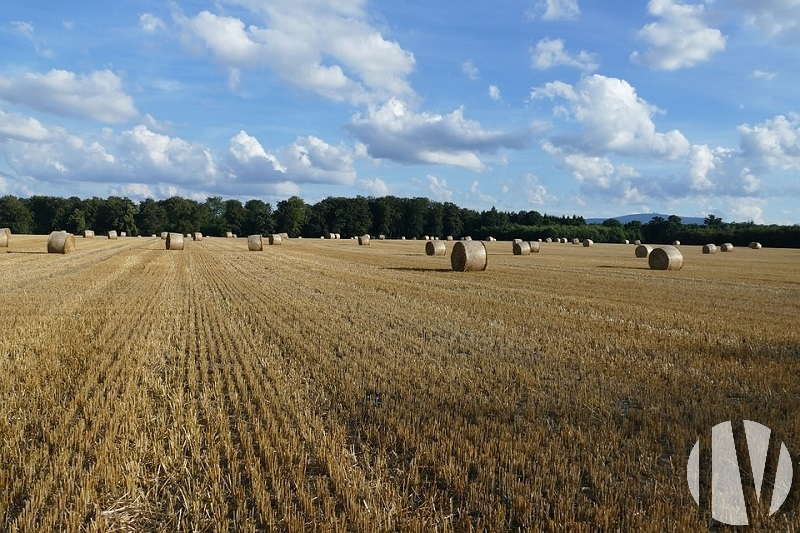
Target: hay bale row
(363, 240)
(726, 247)
(112, 234)
(255, 243)
(521, 248)
(643, 250)
(60, 242)
(275, 239)
(174, 241)
(754, 245)
(435, 248)
(665, 258)
(469, 256)
(709, 248)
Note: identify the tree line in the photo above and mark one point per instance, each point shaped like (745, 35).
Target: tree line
(389, 215)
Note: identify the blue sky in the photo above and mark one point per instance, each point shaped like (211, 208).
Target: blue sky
(562, 106)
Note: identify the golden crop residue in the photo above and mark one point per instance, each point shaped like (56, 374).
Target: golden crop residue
(325, 386)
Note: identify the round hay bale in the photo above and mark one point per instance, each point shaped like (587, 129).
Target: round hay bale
(381, 237)
(228, 235)
(87, 234)
(112, 234)
(549, 239)
(626, 241)
(363, 240)
(275, 239)
(637, 242)
(331, 236)
(491, 239)
(284, 236)
(469, 256)
(197, 236)
(587, 243)
(467, 238)
(576, 241)
(123, 233)
(174, 241)
(337, 235)
(755, 245)
(449, 237)
(254, 243)
(60, 242)
(164, 235)
(427, 237)
(535, 246)
(435, 248)
(403, 238)
(154, 236)
(709, 248)
(643, 250)
(676, 243)
(521, 248)
(665, 258)
(517, 240)
(186, 236)
(4, 238)
(726, 247)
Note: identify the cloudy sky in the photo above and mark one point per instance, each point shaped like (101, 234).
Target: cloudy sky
(563, 106)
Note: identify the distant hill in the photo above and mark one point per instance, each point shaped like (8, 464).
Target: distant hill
(645, 218)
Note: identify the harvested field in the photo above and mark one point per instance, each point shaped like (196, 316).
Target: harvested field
(378, 390)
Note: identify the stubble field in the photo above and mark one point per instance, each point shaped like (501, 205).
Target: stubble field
(326, 386)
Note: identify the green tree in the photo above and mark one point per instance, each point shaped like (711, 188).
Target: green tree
(15, 215)
(151, 217)
(118, 214)
(234, 216)
(451, 220)
(291, 215)
(258, 218)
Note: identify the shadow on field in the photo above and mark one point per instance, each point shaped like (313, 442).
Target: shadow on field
(418, 269)
(624, 267)
(24, 252)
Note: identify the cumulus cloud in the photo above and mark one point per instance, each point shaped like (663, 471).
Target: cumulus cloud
(393, 131)
(375, 187)
(549, 53)
(535, 192)
(166, 158)
(439, 189)
(613, 119)
(681, 38)
(557, 9)
(494, 93)
(97, 96)
(312, 160)
(775, 143)
(16, 127)
(328, 48)
(250, 162)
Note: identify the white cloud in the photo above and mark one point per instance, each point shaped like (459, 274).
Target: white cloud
(494, 93)
(470, 70)
(312, 160)
(680, 39)
(392, 131)
(558, 9)
(151, 23)
(760, 74)
(439, 189)
(480, 196)
(549, 53)
(614, 119)
(249, 162)
(375, 187)
(17, 127)
(328, 48)
(535, 192)
(98, 96)
(775, 143)
(165, 158)
(39, 46)
(777, 19)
